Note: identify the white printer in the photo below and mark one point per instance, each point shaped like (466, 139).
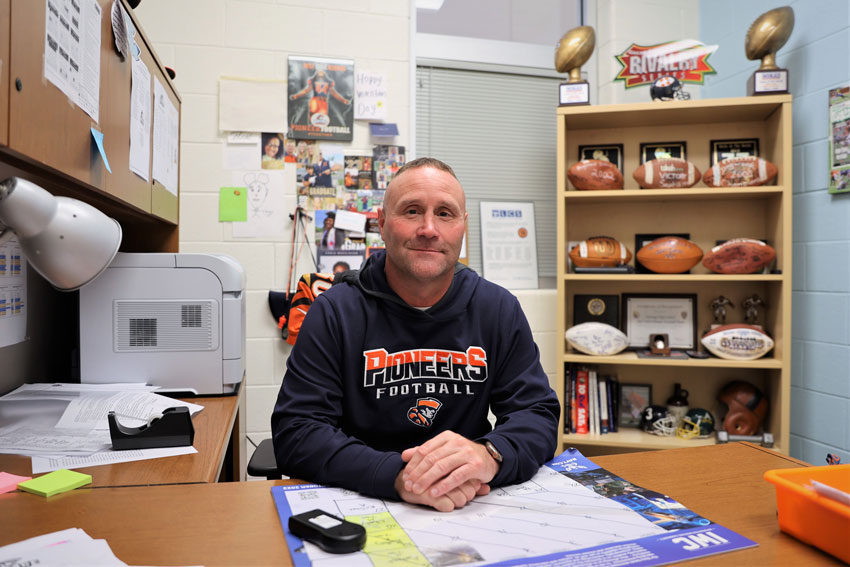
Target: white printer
(172, 320)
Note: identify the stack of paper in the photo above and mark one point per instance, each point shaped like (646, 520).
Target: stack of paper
(65, 425)
(68, 547)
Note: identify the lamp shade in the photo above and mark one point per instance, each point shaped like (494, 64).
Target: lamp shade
(67, 241)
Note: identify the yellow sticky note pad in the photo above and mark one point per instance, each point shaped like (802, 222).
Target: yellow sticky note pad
(55, 482)
(233, 204)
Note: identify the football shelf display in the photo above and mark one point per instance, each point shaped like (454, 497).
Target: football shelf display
(722, 253)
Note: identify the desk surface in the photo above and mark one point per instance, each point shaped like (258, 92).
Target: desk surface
(213, 427)
(237, 523)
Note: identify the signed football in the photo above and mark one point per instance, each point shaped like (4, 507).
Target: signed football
(600, 252)
(747, 171)
(598, 339)
(667, 173)
(595, 175)
(669, 255)
(739, 256)
(737, 342)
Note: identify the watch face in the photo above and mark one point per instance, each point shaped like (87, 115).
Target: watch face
(493, 451)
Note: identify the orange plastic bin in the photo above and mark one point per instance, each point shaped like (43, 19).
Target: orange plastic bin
(809, 516)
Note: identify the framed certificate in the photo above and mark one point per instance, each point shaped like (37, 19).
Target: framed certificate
(723, 149)
(647, 314)
(604, 152)
(659, 150)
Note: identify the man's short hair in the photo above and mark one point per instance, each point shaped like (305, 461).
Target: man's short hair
(426, 162)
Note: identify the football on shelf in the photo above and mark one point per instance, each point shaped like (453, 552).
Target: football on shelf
(740, 172)
(600, 252)
(667, 173)
(595, 175)
(737, 342)
(669, 255)
(597, 339)
(739, 256)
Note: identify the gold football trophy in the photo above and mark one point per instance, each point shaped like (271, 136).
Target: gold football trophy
(766, 35)
(573, 51)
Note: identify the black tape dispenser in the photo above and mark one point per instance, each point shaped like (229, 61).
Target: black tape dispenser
(173, 429)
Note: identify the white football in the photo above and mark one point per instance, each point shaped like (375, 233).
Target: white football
(737, 342)
(597, 339)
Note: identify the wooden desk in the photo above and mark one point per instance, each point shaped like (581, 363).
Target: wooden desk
(237, 523)
(218, 439)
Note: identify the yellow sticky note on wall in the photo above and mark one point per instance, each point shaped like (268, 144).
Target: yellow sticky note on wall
(55, 482)
(233, 204)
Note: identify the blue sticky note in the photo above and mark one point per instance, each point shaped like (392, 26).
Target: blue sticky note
(383, 130)
(98, 138)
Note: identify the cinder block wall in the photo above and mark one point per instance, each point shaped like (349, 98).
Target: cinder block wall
(205, 39)
(818, 58)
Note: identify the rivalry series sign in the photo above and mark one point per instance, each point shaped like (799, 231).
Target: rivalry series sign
(686, 60)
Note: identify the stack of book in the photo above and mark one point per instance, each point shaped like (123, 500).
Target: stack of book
(591, 400)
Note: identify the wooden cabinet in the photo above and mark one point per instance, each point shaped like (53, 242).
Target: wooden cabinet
(47, 138)
(708, 214)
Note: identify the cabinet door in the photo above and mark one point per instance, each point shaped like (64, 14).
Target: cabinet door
(5, 16)
(47, 128)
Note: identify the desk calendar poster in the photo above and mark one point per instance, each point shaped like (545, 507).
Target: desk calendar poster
(572, 513)
(839, 140)
(509, 244)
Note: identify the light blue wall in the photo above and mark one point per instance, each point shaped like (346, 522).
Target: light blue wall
(818, 58)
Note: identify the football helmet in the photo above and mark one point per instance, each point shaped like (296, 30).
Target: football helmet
(667, 88)
(658, 420)
(698, 423)
(745, 405)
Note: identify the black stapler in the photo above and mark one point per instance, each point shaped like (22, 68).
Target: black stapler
(173, 429)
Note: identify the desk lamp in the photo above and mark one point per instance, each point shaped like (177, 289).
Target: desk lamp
(67, 241)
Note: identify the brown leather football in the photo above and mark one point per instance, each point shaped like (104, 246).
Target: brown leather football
(739, 256)
(669, 255)
(600, 252)
(667, 173)
(747, 171)
(595, 175)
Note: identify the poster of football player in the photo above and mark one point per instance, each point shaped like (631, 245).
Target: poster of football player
(320, 95)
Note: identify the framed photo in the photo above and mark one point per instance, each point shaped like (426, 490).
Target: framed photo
(604, 152)
(646, 314)
(722, 149)
(642, 240)
(596, 308)
(633, 399)
(657, 150)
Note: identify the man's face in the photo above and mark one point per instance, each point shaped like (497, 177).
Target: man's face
(422, 223)
(329, 222)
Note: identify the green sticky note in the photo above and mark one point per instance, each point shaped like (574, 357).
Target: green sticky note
(55, 482)
(233, 204)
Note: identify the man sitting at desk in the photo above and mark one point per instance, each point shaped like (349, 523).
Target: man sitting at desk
(388, 387)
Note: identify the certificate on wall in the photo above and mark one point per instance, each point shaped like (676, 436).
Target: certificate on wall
(509, 244)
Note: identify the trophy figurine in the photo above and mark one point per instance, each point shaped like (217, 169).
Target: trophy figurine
(752, 304)
(766, 35)
(719, 305)
(573, 51)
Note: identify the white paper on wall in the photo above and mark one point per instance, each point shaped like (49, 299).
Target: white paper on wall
(267, 215)
(252, 105)
(166, 139)
(370, 95)
(140, 120)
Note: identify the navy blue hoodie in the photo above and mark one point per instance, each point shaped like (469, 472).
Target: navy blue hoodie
(371, 376)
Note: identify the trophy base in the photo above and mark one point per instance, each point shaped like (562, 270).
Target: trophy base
(570, 94)
(768, 82)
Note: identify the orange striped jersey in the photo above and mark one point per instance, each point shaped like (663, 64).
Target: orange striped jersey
(309, 287)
